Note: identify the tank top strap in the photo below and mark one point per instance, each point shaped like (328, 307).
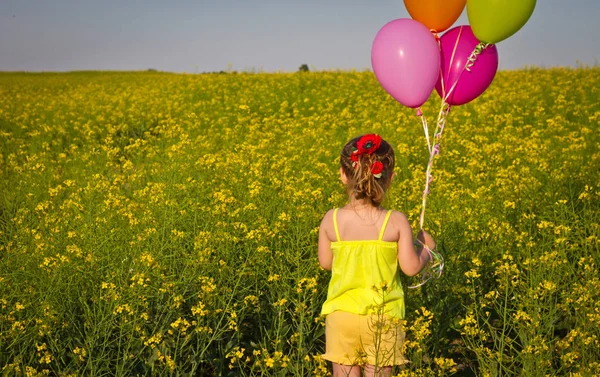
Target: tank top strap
(387, 218)
(335, 226)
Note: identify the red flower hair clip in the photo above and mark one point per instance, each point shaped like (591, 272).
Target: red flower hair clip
(377, 169)
(367, 144)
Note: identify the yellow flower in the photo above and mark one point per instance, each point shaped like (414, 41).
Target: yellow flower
(269, 362)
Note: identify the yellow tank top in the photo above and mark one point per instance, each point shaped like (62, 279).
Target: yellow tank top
(357, 267)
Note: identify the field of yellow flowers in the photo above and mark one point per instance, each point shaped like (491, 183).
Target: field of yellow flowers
(166, 224)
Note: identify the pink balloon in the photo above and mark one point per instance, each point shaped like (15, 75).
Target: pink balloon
(406, 60)
(457, 45)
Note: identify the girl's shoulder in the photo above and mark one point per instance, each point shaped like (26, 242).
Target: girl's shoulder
(328, 216)
(327, 220)
(398, 220)
(400, 224)
(327, 228)
(397, 215)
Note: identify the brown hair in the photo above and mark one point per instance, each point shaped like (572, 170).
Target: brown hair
(362, 183)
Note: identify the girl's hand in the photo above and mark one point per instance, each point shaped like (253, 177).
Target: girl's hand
(426, 239)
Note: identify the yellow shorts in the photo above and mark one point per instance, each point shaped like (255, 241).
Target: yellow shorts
(353, 339)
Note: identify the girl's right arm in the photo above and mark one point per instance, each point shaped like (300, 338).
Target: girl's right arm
(325, 254)
(411, 260)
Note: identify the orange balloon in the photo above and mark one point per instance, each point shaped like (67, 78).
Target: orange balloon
(437, 15)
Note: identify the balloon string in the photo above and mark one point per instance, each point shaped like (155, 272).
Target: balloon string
(468, 65)
(425, 128)
(434, 151)
(436, 260)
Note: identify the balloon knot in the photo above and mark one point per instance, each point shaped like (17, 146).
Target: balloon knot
(478, 50)
(435, 34)
(419, 112)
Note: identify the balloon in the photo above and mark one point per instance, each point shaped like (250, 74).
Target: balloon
(437, 15)
(495, 20)
(406, 60)
(457, 44)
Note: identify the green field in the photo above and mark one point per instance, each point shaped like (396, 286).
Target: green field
(166, 224)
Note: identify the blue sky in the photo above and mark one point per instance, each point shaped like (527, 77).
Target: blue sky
(245, 35)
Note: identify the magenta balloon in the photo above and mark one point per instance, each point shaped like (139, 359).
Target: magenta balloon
(457, 45)
(406, 60)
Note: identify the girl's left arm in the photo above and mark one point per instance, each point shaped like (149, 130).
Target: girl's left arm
(411, 261)
(325, 254)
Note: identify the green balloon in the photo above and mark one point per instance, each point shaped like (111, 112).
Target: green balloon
(493, 21)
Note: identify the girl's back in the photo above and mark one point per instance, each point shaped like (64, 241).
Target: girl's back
(363, 263)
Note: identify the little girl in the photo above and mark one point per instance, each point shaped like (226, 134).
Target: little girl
(363, 244)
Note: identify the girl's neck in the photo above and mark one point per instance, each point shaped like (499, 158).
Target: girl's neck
(362, 206)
